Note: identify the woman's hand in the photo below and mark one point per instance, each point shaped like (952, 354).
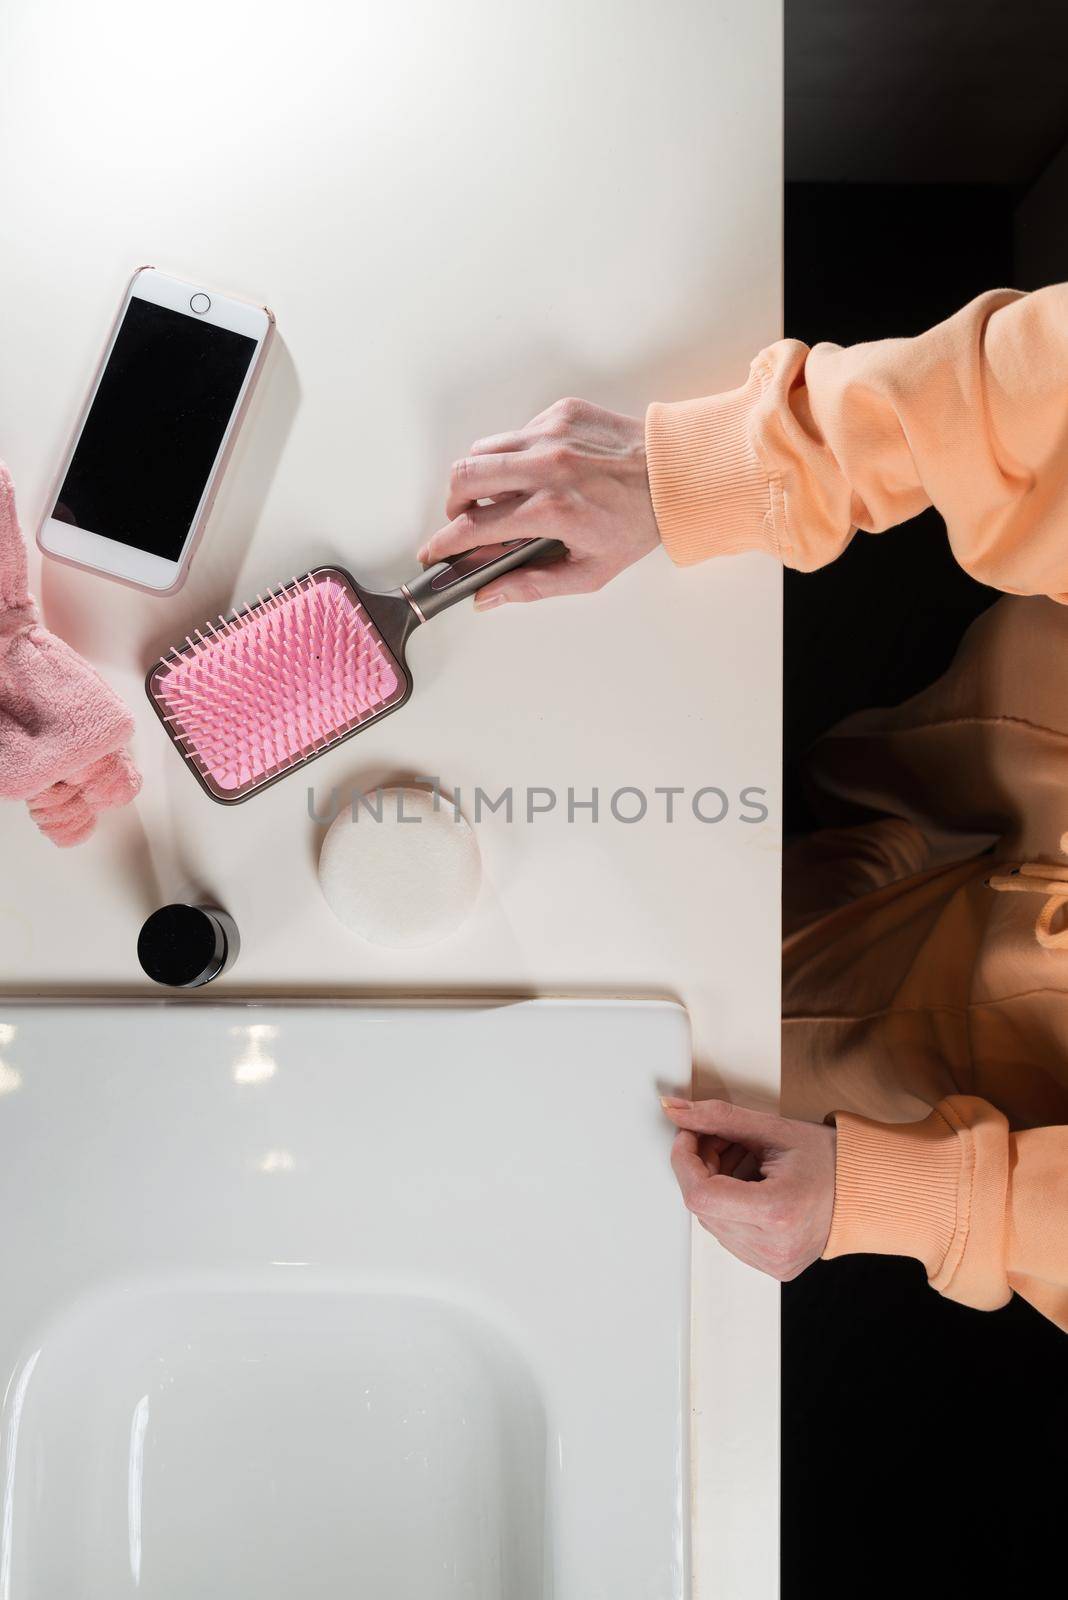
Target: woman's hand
(575, 473)
(763, 1185)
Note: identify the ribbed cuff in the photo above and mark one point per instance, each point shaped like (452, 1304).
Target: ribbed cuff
(711, 494)
(896, 1189)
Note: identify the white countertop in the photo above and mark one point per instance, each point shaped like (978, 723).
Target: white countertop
(458, 212)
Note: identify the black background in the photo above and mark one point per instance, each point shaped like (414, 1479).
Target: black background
(154, 430)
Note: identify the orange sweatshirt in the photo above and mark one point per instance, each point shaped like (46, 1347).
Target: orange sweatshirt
(909, 981)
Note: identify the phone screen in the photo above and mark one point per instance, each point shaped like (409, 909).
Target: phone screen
(153, 432)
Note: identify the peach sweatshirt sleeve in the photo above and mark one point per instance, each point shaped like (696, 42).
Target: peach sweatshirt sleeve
(971, 417)
(985, 1210)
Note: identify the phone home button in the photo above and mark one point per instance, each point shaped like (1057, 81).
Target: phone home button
(199, 303)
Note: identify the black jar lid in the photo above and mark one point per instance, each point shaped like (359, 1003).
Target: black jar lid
(183, 946)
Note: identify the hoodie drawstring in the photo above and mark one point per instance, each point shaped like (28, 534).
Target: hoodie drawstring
(1038, 877)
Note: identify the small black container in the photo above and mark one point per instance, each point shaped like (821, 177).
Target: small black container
(185, 947)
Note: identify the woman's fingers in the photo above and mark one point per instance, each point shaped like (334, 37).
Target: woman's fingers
(533, 582)
(710, 1195)
(481, 477)
(779, 1225)
(499, 443)
(475, 526)
(687, 1162)
(736, 1123)
(576, 474)
(512, 518)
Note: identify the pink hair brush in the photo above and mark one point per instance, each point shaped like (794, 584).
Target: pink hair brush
(278, 683)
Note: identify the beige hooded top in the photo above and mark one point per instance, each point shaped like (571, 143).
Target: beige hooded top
(921, 968)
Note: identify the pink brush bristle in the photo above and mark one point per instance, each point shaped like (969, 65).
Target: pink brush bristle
(270, 688)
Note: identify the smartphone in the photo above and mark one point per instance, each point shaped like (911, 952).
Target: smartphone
(139, 478)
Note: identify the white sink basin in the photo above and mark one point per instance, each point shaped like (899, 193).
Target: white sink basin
(335, 1301)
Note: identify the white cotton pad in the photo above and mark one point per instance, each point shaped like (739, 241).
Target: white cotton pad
(405, 872)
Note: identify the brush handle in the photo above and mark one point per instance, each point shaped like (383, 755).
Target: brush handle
(448, 581)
